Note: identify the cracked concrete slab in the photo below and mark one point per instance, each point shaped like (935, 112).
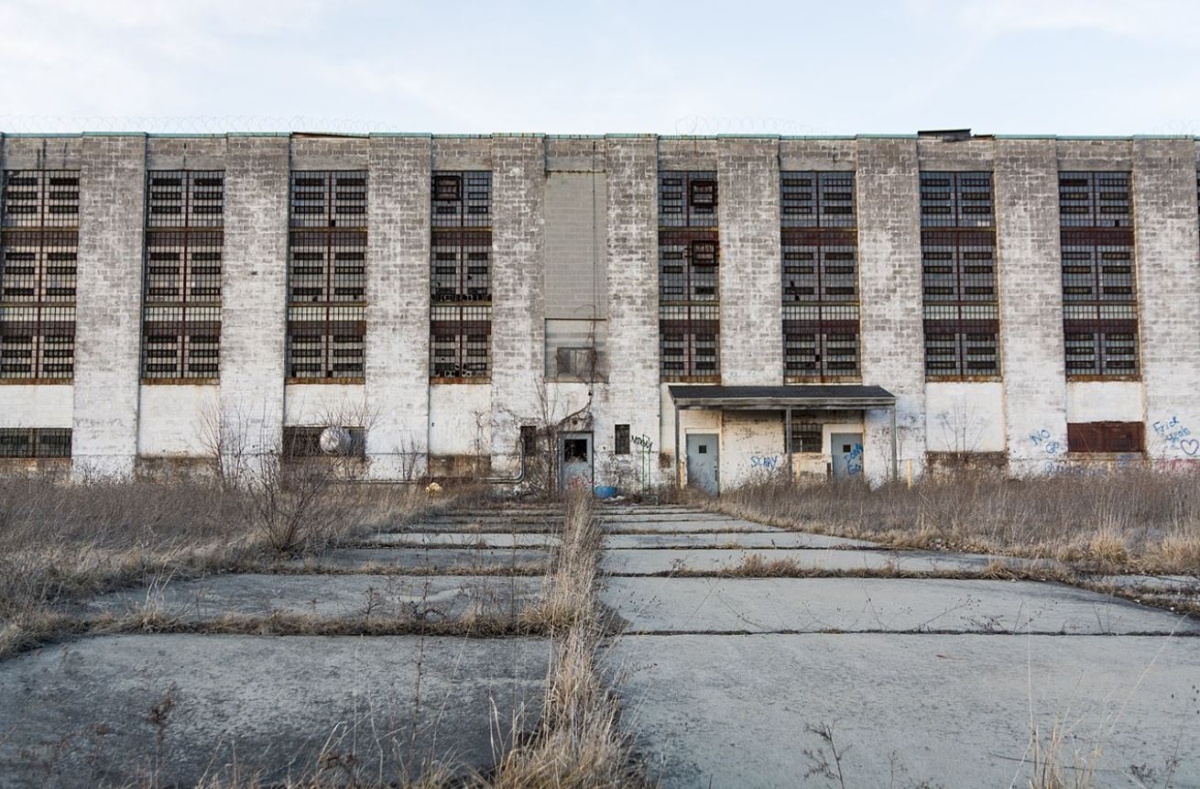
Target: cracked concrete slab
(771, 539)
(80, 710)
(460, 539)
(955, 711)
(649, 562)
(723, 605)
(435, 597)
(712, 525)
(463, 561)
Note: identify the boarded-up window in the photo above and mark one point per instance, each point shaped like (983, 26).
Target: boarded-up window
(1106, 437)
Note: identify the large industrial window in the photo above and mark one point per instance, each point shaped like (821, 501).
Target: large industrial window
(958, 263)
(327, 277)
(181, 312)
(688, 277)
(35, 442)
(1100, 323)
(820, 277)
(39, 246)
(461, 277)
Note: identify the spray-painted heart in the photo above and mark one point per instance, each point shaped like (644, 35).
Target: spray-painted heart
(1190, 446)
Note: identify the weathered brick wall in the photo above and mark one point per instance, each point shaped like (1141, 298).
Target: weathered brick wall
(889, 248)
(254, 289)
(518, 312)
(1168, 266)
(109, 302)
(632, 394)
(751, 285)
(1030, 281)
(397, 345)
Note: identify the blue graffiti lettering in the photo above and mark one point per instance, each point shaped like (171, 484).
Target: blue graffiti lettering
(767, 462)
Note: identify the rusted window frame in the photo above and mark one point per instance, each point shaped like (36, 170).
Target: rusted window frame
(460, 302)
(690, 298)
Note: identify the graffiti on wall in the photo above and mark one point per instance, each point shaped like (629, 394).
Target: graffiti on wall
(1177, 436)
(764, 462)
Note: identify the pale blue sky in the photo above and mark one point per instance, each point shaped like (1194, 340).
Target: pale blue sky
(1083, 67)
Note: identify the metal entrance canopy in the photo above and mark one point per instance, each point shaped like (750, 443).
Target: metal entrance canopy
(817, 397)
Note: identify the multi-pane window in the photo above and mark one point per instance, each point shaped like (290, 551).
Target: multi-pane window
(461, 275)
(313, 442)
(39, 246)
(181, 312)
(688, 277)
(327, 276)
(35, 442)
(806, 436)
(958, 276)
(1100, 323)
(621, 440)
(820, 277)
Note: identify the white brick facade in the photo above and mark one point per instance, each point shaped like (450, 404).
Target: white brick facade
(574, 241)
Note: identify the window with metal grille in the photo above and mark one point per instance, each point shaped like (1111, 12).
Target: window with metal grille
(35, 442)
(817, 199)
(953, 199)
(460, 342)
(181, 312)
(528, 440)
(462, 199)
(1099, 276)
(689, 341)
(820, 277)
(621, 439)
(806, 437)
(688, 277)
(460, 276)
(1095, 200)
(687, 199)
(958, 276)
(327, 277)
(39, 246)
(1106, 437)
(340, 441)
(820, 342)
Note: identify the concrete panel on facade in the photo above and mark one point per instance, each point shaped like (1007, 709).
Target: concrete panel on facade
(397, 342)
(889, 247)
(178, 421)
(751, 286)
(108, 315)
(1105, 401)
(48, 153)
(459, 419)
(576, 232)
(576, 154)
(965, 416)
(329, 152)
(254, 290)
(1033, 358)
(687, 153)
(936, 154)
(186, 153)
(1100, 154)
(1168, 268)
(327, 404)
(818, 154)
(36, 405)
(461, 153)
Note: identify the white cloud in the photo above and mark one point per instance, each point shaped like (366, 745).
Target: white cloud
(1162, 20)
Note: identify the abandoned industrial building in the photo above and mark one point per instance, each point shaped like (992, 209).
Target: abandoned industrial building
(709, 310)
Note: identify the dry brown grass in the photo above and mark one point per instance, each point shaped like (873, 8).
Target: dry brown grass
(60, 544)
(1136, 521)
(578, 744)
